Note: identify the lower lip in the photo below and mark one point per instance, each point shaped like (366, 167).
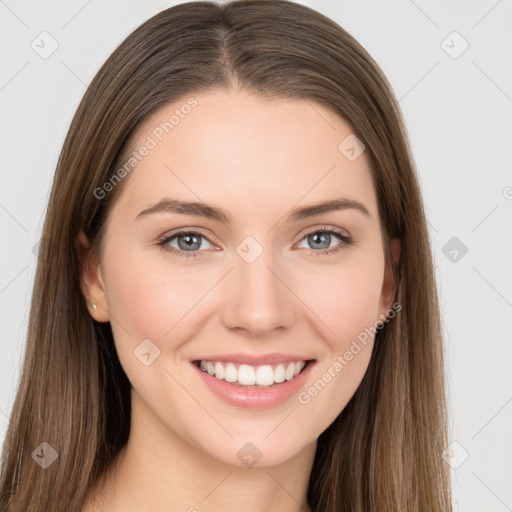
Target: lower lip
(256, 398)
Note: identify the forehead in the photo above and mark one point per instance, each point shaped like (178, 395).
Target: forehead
(247, 151)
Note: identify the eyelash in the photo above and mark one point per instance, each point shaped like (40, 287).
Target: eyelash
(345, 241)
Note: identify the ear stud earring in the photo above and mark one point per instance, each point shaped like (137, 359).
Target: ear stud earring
(93, 306)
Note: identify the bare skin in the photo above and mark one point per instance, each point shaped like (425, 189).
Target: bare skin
(257, 160)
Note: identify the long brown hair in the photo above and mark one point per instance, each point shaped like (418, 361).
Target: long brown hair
(384, 451)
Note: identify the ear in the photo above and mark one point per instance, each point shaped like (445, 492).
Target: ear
(389, 285)
(91, 280)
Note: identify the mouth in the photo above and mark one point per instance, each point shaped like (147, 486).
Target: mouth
(254, 387)
(254, 377)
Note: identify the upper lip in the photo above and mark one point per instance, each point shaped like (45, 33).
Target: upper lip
(254, 359)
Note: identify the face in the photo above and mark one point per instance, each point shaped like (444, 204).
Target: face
(252, 281)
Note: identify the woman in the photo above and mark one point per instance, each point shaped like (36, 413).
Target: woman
(190, 346)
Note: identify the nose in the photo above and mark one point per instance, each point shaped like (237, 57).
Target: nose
(260, 300)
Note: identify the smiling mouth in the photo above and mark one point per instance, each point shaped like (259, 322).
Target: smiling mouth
(258, 377)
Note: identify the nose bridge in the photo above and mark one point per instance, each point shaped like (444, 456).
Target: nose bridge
(260, 302)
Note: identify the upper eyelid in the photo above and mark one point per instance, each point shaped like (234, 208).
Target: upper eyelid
(194, 231)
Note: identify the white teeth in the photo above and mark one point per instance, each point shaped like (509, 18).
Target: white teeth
(247, 375)
(265, 376)
(219, 371)
(290, 370)
(231, 373)
(279, 373)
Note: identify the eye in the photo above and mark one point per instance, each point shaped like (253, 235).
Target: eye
(321, 239)
(188, 243)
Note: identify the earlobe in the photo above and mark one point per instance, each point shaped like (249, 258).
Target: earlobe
(91, 280)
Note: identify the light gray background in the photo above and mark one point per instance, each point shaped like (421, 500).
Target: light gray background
(458, 112)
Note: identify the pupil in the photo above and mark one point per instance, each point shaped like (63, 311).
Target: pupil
(322, 235)
(190, 241)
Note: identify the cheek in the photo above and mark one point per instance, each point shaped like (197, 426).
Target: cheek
(148, 301)
(345, 296)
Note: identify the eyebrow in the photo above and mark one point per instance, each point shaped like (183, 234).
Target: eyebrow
(221, 215)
